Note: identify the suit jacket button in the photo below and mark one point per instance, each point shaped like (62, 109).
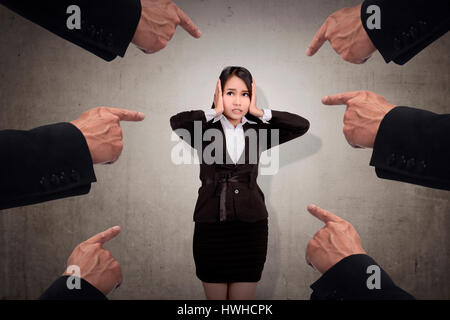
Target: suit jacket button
(421, 166)
(402, 163)
(391, 159)
(410, 164)
(236, 191)
(43, 182)
(398, 43)
(414, 32)
(75, 176)
(63, 178)
(54, 179)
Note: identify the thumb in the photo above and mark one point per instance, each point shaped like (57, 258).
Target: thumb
(104, 236)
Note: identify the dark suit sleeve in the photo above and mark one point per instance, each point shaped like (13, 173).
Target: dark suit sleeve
(283, 127)
(347, 280)
(59, 291)
(192, 122)
(413, 146)
(43, 164)
(407, 26)
(107, 26)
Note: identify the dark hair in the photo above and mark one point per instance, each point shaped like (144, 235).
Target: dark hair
(239, 72)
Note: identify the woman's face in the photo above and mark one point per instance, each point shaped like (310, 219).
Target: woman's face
(236, 99)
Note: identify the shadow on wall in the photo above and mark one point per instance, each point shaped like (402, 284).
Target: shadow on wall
(291, 152)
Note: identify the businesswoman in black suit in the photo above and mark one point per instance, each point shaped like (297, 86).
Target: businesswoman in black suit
(231, 227)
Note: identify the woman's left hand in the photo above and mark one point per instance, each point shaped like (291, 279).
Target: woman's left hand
(253, 110)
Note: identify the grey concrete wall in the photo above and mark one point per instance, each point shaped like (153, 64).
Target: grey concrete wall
(44, 79)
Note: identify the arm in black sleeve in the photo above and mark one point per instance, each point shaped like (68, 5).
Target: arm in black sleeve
(347, 280)
(59, 291)
(192, 122)
(413, 146)
(43, 164)
(407, 26)
(107, 26)
(284, 126)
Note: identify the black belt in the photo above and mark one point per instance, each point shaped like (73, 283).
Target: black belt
(221, 183)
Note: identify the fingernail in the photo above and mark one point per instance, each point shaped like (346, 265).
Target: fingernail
(311, 206)
(116, 228)
(324, 99)
(308, 51)
(141, 115)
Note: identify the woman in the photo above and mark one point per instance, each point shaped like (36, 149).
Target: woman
(231, 228)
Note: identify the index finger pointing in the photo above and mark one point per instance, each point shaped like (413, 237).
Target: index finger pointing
(318, 40)
(127, 115)
(322, 214)
(188, 25)
(339, 99)
(104, 236)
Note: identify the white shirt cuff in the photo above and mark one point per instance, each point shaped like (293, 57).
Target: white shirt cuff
(267, 115)
(210, 114)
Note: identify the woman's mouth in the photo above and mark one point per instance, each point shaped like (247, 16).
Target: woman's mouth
(236, 111)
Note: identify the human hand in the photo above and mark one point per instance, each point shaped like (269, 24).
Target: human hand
(346, 34)
(218, 98)
(362, 118)
(101, 129)
(253, 109)
(159, 19)
(97, 265)
(337, 240)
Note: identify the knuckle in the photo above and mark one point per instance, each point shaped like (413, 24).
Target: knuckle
(347, 56)
(346, 130)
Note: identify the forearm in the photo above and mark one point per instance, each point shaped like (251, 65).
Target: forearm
(412, 145)
(407, 26)
(60, 291)
(42, 164)
(107, 26)
(287, 125)
(349, 278)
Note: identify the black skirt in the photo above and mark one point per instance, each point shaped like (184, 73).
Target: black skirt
(232, 251)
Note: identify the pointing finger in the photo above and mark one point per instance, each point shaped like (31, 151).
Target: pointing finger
(188, 25)
(318, 40)
(127, 115)
(322, 214)
(339, 99)
(104, 236)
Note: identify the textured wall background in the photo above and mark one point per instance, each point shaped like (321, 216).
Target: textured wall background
(44, 79)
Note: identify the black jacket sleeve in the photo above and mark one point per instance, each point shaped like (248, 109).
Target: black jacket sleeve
(283, 127)
(59, 291)
(189, 122)
(347, 280)
(407, 26)
(107, 26)
(43, 164)
(413, 145)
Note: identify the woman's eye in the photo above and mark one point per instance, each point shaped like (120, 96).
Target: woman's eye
(245, 94)
(229, 93)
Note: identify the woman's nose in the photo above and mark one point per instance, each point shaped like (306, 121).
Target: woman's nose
(237, 101)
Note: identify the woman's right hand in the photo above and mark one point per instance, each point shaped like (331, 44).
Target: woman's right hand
(218, 99)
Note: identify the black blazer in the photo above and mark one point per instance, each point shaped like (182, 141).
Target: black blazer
(43, 164)
(347, 280)
(107, 26)
(407, 26)
(59, 291)
(413, 146)
(229, 191)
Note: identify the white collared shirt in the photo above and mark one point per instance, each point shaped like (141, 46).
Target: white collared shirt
(234, 137)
